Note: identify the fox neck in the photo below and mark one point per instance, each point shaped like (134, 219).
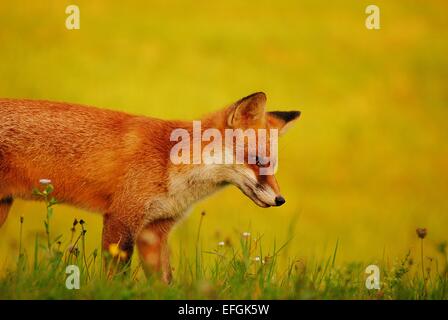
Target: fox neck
(186, 186)
(195, 183)
(190, 183)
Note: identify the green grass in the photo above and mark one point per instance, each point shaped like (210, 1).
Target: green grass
(244, 270)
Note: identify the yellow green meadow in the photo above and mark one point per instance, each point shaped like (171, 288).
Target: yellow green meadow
(362, 169)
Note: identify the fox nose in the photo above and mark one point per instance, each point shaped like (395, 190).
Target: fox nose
(279, 200)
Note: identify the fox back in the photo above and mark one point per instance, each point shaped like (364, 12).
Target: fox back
(89, 153)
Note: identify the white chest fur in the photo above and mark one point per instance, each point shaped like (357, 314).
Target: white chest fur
(184, 189)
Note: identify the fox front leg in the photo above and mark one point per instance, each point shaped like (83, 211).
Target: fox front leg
(152, 243)
(118, 242)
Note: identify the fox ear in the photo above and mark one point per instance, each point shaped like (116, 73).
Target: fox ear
(282, 120)
(248, 111)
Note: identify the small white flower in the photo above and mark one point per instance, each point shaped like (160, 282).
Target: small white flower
(246, 234)
(44, 181)
(257, 258)
(221, 243)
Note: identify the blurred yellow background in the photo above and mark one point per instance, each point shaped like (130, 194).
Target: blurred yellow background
(366, 164)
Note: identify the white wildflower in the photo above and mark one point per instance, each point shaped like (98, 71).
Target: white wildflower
(44, 181)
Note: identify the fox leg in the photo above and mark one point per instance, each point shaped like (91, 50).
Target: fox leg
(120, 234)
(5, 205)
(152, 243)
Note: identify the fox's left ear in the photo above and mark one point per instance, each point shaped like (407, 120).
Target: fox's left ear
(247, 112)
(282, 120)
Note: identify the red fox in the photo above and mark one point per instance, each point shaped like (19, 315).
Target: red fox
(119, 164)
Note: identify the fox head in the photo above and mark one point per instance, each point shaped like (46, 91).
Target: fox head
(254, 175)
(236, 145)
